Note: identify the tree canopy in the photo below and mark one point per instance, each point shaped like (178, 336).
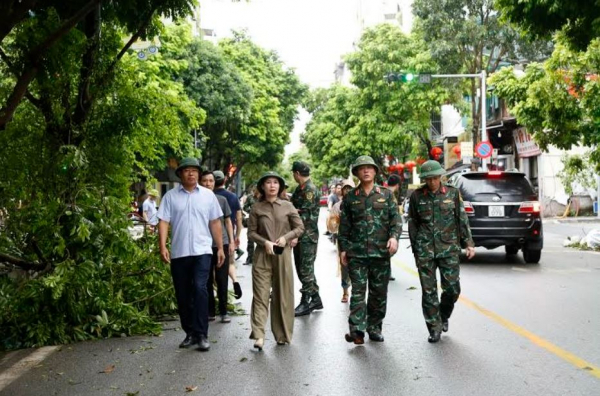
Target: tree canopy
(558, 100)
(577, 20)
(374, 117)
(468, 36)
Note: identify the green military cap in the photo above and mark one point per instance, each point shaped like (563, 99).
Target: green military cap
(267, 175)
(431, 168)
(300, 166)
(364, 160)
(219, 176)
(188, 163)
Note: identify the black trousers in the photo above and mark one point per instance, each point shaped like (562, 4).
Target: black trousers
(221, 275)
(190, 275)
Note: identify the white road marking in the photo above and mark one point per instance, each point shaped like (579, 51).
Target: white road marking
(24, 365)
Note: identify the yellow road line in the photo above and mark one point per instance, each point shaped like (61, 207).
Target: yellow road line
(542, 343)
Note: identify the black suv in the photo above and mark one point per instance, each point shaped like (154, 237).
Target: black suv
(503, 210)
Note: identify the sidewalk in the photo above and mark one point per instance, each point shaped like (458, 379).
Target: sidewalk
(580, 219)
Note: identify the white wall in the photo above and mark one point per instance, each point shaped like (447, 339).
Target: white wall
(451, 121)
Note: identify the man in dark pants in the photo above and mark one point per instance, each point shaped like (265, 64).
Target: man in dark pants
(219, 272)
(236, 221)
(306, 200)
(194, 215)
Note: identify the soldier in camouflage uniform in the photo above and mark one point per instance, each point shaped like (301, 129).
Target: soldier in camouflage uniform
(370, 226)
(438, 228)
(306, 200)
(251, 198)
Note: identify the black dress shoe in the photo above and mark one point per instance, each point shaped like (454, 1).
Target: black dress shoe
(203, 344)
(188, 341)
(434, 336)
(444, 325)
(377, 337)
(237, 290)
(356, 337)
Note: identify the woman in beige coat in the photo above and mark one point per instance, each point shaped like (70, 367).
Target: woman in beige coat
(273, 223)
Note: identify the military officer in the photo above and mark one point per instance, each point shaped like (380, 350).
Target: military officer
(370, 226)
(306, 200)
(438, 227)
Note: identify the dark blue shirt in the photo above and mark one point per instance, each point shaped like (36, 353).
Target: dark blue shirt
(233, 201)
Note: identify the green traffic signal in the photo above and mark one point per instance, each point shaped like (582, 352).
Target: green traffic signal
(400, 77)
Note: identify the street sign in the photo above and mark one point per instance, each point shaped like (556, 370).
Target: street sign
(425, 78)
(484, 149)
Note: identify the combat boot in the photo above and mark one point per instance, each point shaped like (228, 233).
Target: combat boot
(304, 307)
(434, 336)
(445, 325)
(315, 302)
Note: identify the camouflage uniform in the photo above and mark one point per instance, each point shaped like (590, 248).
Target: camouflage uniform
(367, 223)
(250, 200)
(306, 200)
(438, 227)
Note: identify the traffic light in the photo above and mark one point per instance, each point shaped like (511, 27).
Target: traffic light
(399, 77)
(405, 77)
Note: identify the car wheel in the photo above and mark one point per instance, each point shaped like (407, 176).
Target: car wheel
(532, 256)
(511, 250)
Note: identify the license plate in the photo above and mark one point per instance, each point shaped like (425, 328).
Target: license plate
(496, 211)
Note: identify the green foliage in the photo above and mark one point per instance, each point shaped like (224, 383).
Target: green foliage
(374, 117)
(558, 101)
(468, 36)
(277, 93)
(577, 20)
(92, 124)
(577, 171)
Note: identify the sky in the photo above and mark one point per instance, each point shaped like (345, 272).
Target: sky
(310, 36)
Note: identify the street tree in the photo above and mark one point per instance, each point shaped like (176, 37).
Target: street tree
(35, 31)
(558, 100)
(375, 117)
(578, 21)
(276, 95)
(94, 119)
(468, 36)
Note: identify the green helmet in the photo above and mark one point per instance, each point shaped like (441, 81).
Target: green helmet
(265, 176)
(364, 160)
(431, 168)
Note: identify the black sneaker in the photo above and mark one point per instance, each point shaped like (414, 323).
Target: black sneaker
(377, 337)
(444, 325)
(237, 290)
(239, 253)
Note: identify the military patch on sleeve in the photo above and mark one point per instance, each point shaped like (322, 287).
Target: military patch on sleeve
(381, 200)
(310, 196)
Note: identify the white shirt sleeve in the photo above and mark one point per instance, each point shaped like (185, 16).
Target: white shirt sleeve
(164, 211)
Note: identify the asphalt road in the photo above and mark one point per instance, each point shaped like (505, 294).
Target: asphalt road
(519, 329)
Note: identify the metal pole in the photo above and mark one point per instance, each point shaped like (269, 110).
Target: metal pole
(484, 136)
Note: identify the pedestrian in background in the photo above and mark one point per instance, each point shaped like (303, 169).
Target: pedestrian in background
(149, 209)
(251, 198)
(333, 224)
(272, 225)
(236, 221)
(438, 227)
(193, 213)
(306, 200)
(219, 272)
(369, 230)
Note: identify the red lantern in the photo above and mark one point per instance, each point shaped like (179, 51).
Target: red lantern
(456, 149)
(436, 152)
(400, 168)
(420, 160)
(391, 168)
(410, 165)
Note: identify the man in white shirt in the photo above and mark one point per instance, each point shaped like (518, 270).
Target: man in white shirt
(194, 215)
(149, 209)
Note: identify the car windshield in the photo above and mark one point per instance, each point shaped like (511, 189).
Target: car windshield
(483, 187)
